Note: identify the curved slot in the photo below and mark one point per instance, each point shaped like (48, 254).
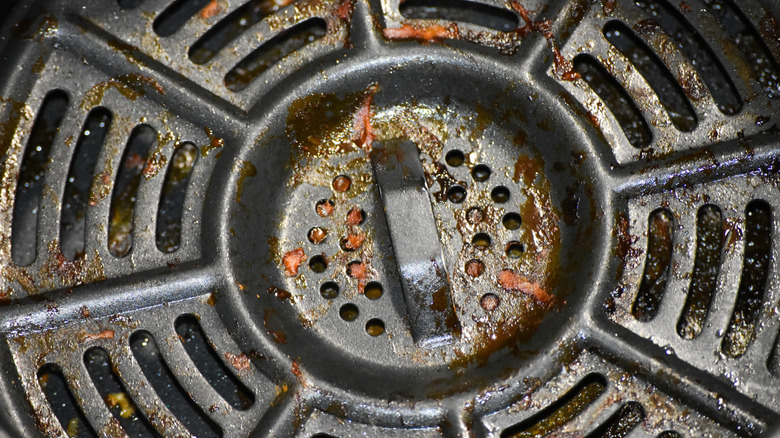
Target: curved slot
(272, 51)
(62, 402)
(616, 98)
(115, 395)
(32, 176)
(660, 236)
(129, 4)
(168, 388)
(561, 411)
(472, 12)
(171, 209)
(755, 269)
(693, 47)
(230, 27)
(208, 362)
(120, 216)
(655, 73)
(706, 265)
(175, 16)
(621, 423)
(82, 170)
(669, 434)
(759, 58)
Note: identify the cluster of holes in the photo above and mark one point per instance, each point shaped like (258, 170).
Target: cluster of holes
(482, 241)
(704, 278)
(229, 28)
(330, 290)
(80, 178)
(110, 384)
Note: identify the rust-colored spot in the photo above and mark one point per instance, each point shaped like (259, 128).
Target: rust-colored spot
(87, 337)
(296, 370)
(355, 216)
(209, 10)
(353, 241)
(341, 183)
(292, 260)
(427, 34)
(239, 361)
(84, 311)
(325, 208)
(489, 302)
(317, 235)
(475, 268)
(281, 294)
(214, 142)
(512, 281)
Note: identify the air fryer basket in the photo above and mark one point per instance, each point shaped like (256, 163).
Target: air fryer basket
(420, 218)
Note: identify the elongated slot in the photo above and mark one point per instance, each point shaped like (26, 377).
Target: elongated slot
(660, 236)
(32, 176)
(706, 265)
(755, 270)
(561, 411)
(655, 73)
(693, 46)
(230, 27)
(669, 434)
(459, 10)
(615, 98)
(115, 395)
(128, 179)
(62, 403)
(175, 16)
(750, 43)
(168, 388)
(272, 51)
(208, 362)
(82, 169)
(171, 209)
(621, 423)
(129, 4)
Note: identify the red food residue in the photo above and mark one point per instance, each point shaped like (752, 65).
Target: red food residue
(426, 34)
(355, 216)
(512, 281)
(325, 209)
(345, 10)
(562, 68)
(209, 10)
(240, 362)
(105, 334)
(292, 260)
(353, 241)
(363, 133)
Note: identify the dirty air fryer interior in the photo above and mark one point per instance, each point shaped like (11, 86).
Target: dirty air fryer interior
(363, 218)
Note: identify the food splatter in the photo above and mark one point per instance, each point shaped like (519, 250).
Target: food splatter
(292, 260)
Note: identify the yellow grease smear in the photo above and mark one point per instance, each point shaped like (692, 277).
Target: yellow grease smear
(248, 170)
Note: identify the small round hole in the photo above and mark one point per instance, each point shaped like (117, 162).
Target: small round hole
(325, 207)
(373, 290)
(489, 302)
(481, 241)
(356, 269)
(341, 183)
(455, 158)
(475, 215)
(375, 327)
(456, 194)
(512, 221)
(317, 235)
(348, 312)
(356, 216)
(329, 290)
(500, 194)
(475, 268)
(480, 173)
(514, 250)
(318, 264)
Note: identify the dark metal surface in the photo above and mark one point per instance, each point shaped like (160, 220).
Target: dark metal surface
(368, 218)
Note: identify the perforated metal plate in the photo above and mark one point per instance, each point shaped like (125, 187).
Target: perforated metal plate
(380, 218)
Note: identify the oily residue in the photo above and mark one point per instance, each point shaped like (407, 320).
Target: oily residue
(58, 270)
(511, 281)
(131, 86)
(248, 170)
(422, 33)
(281, 294)
(277, 336)
(18, 112)
(214, 143)
(562, 68)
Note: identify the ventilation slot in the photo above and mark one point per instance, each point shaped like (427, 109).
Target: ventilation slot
(174, 191)
(176, 15)
(693, 46)
(129, 4)
(755, 268)
(659, 257)
(63, 404)
(616, 98)
(621, 423)
(82, 169)
(210, 365)
(168, 388)
(709, 243)
(273, 51)
(115, 395)
(561, 411)
(765, 68)
(120, 225)
(32, 176)
(669, 434)
(655, 73)
(495, 18)
(230, 27)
